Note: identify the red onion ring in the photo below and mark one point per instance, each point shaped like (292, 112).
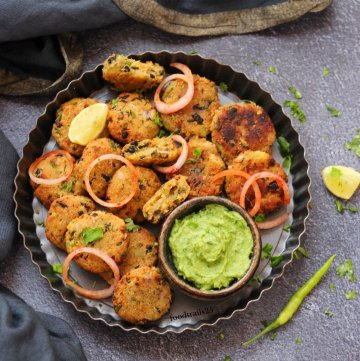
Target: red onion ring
(271, 223)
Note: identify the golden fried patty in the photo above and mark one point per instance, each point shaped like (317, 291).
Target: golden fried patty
(61, 212)
(142, 250)
(127, 74)
(64, 116)
(99, 230)
(203, 162)
(196, 117)
(253, 162)
(102, 172)
(120, 186)
(132, 117)
(142, 295)
(240, 127)
(151, 151)
(167, 197)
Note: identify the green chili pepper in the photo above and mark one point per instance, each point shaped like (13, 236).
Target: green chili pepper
(295, 301)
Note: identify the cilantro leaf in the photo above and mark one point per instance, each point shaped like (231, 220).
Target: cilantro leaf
(354, 145)
(57, 268)
(286, 163)
(272, 69)
(350, 295)
(346, 269)
(326, 71)
(303, 251)
(223, 87)
(221, 336)
(162, 133)
(260, 217)
(131, 226)
(298, 341)
(193, 52)
(334, 112)
(339, 206)
(157, 121)
(40, 223)
(197, 152)
(91, 235)
(257, 62)
(227, 358)
(296, 111)
(332, 287)
(352, 208)
(266, 251)
(276, 260)
(68, 186)
(287, 227)
(295, 92)
(328, 312)
(284, 146)
(273, 336)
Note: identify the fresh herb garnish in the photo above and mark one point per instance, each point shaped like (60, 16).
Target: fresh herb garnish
(286, 163)
(91, 235)
(162, 133)
(220, 336)
(57, 268)
(346, 269)
(284, 146)
(287, 227)
(272, 69)
(332, 287)
(303, 251)
(340, 207)
(354, 145)
(260, 217)
(298, 341)
(193, 52)
(350, 295)
(227, 358)
(196, 153)
(276, 260)
(253, 279)
(328, 312)
(40, 223)
(273, 336)
(295, 92)
(326, 71)
(296, 111)
(131, 226)
(223, 87)
(334, 112)
(114, 146)
(114, 102)
(68, 186)
(266, 251)
(157, 120)
(257, 62)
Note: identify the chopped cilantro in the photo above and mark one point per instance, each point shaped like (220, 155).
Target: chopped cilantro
(90, 235)
(346, 269)
(161, 133)
(57, 268)
(272, 69)
(333, 111)
(131, 226)
(220, 335)
(303, 251)
(157, 120)
(340, 207)
(227, 358)
(260, 217)
(296, 112)
(273, 336)
(40, 223)
(223, 87)
(196, 153)
(354, 145)
(298, 341)
(296, 256)
(332, 287)
(266, 251)
(193, 52)
(255, 279)
(350, 295)
(114, 102)
(287, 227)
(352, 208)
(286, 163)
(257, 62)
(328, 312)
(284, 146)
(114, 146)
(326, 71)
(276, 260)
(68, 186)
(295, 92)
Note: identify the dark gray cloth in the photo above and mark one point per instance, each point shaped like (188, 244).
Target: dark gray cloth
(22, 19)
(26, 335)
(7, 174)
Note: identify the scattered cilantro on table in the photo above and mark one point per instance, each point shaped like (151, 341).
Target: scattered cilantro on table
(227, 358)
(340, 207)
(346, 269)
(220, 336)
(298, 341)
(350, 295)
(90, 235)
(354, 145)
(328, 312)
(326, 72)
(296, 111)
(273, 336)
(334, 112)
(295, 92)
(272, 69)
(193, 52)
(257, 62)
(332, 287)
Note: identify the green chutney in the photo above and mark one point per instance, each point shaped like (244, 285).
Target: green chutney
(212, 247)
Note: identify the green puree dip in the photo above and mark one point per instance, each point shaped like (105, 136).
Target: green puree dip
(212, 247)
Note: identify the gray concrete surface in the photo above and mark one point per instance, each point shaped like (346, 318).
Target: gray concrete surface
(299, 51)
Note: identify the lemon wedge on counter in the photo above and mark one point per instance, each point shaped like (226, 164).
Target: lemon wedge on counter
(88, 124)
(341, 181)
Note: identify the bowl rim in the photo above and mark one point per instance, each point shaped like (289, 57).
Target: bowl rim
(191, 206)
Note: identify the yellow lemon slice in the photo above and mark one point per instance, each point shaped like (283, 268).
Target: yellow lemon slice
(88, 124)
(341, 181)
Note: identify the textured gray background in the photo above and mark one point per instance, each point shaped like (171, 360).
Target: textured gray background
(299, 51)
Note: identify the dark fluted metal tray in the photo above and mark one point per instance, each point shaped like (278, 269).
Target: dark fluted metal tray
(185, 314)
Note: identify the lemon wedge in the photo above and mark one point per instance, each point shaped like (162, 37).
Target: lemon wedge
(341, 181)
(88, 124)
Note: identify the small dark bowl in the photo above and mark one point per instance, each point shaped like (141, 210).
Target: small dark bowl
(165, 257)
